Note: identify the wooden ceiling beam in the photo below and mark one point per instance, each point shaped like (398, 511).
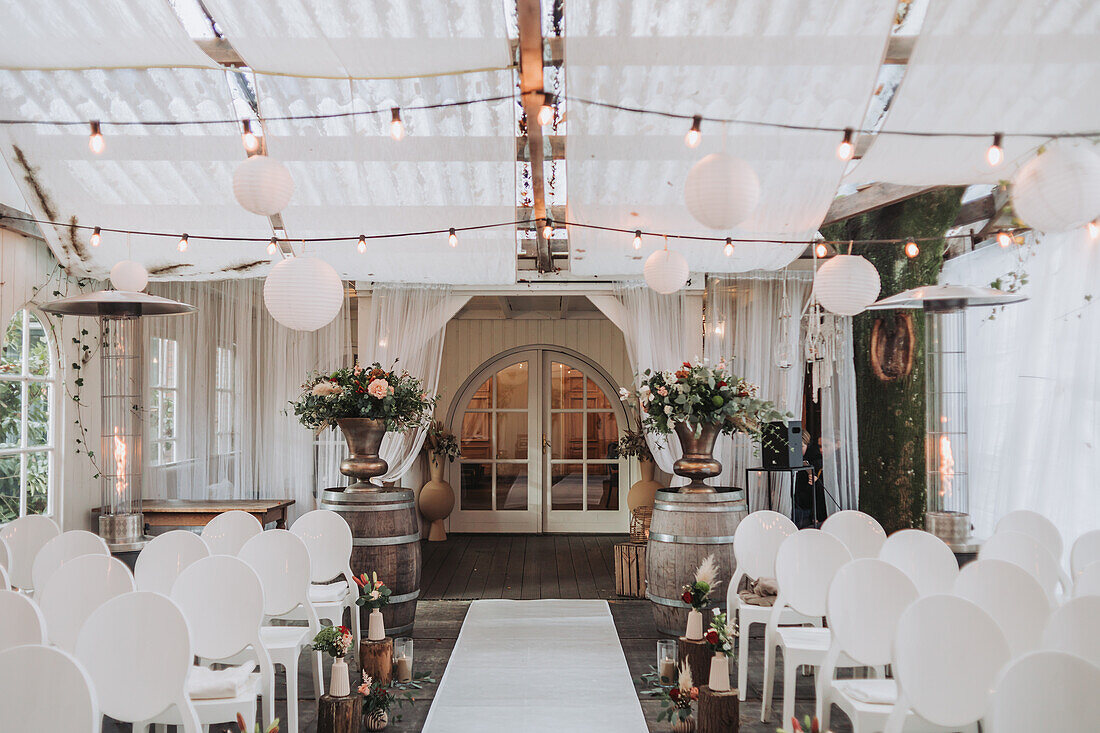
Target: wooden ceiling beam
(529, 16)
(875, 196)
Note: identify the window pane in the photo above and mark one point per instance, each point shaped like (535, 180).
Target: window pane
(477, 486)
(11, 360)
(512, 386)
(566, 435)
(475, 435)
(156, 371)
(224, 422)
(512, 487)
(169, 363)
(9, 488)
(483, 397)
(602, 434)
(11, 397)
(567, 486)
(224, 369)
(38, 413)
(168, 414)
(168, 451)
(569, 383)
(38, 479)
(557, 385)
(38, 347)
(603, 486)
(153, 413)
(596, 398)
(512, 435)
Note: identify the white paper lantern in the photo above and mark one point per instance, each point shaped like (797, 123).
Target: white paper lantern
(262, 185)
(1058, 190)
(303, 293)
(846, 285)
(130, 276)
(721, 191)
(666, 271)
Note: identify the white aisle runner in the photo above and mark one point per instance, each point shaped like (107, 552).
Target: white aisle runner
(537, 666)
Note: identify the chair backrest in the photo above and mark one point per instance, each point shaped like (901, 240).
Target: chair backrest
(804, 568)
(5, 555)
(5, 584)
(328, 539)
(1027, 552)
(1088, 581)
(164, 558)
(46, 689)
(21, 622)
(1034, 525)
(25, 537)
(1085, 551)
(137, 650)
(226, 533)
(756, 542)
(947, 654)
(861, 533)
(1046, 691)
(925, 558)
(865, 601)
(60, 550)
(1075, 628)
(281, 560)
(1011, 596)
(223, 602)
(76, 590)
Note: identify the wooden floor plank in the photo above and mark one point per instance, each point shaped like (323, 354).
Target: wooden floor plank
(467, 569)
(498, 564)
(601, 576)
(543, 546)
(532, 575)
(456, 547)
(484, 548)
(582, 569)
(513, 574)
(567, 576)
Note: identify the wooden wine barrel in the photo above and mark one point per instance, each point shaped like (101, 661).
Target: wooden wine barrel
(685, 529)
(386, 540)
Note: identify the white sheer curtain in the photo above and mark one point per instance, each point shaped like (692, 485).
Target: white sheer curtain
(218, 423)
(1034, 386)
(839, 426)
(404, 327)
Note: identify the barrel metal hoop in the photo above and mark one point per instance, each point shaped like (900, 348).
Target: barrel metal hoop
(735, 495)
(366, 507)
(398, 630)
(405, 597)
(404, 539)
(737, 506)
(689, 539)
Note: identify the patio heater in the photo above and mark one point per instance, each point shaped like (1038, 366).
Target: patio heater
(947, 491)
(122, 402)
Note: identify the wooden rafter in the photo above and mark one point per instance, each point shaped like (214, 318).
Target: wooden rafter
(529, 16)
(875, 196)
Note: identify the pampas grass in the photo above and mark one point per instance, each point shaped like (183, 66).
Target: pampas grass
(707, 572)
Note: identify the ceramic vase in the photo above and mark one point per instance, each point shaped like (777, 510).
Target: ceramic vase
(698, 462)
(642, 492)
(339, 684)
(364, 437)
(694, 629)
(437, 499)
(376, 627)
(377, 720)
(687, 725)
(719, 673)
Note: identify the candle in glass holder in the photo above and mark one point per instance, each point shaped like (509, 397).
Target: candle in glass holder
(666, 661)
(403, 658)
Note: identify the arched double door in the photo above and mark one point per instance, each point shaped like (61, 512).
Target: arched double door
(537, 427)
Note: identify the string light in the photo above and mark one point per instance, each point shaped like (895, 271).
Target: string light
(452, 238)
(95, 237)
(1094, 228)
(996, 153)
(182, 246)
(273, 246)
(728, 249)
(546, 111)
(397, 127)
(251, 142)
(362, 246)
(846, 150)
(548, 228)
(637, 239)
(911, 249)
(821, 251)
(1004, 238)
(95, 140)
(695, 134)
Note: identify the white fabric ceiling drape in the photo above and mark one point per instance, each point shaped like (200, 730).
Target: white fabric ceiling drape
(236, 437)
(403, 329)
(1034, 389)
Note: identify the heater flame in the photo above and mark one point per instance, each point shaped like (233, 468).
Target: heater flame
(947, 467)
(122, 479)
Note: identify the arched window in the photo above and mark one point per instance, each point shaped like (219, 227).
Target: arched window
(27, 393)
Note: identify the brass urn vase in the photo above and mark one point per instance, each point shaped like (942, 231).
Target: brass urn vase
(698, 462)
(364, 437)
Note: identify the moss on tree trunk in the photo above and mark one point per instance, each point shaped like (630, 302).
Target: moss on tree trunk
(891, 414)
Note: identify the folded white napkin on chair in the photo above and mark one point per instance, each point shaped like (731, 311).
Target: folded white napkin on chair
(211, 684)
(328, 593)
(874, 692)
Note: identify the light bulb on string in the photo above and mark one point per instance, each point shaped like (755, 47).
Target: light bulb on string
(273, 246)
(182, 246)
(1094, 229)
(96, 237)
(695, 134)
(546, 111)
(251, 142)
(397, 127)
(452, 238)
(821, 251)
(637, 239)
(362, 246)
(996, 153)
(548, 228)
(1004, 238)
(95, 140)
(846, 150)
(911, 249)
(728, 249)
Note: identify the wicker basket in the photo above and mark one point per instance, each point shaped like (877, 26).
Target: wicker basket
(639, 524)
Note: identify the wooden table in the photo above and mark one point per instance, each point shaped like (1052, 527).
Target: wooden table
(181, 513)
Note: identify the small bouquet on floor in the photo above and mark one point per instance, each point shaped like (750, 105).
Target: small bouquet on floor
(377, 701)
(373, 594)
(697, 593)
(333, 640)
(676, 705)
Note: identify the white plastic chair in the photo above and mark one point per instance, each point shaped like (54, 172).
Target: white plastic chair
(1088, 581)
(947, 654)
(223, 602)
(21, 621)
(804, 568)
(1030, 554)
(1034, 525)
(76, 590)
(24, 538)
(328, 538)
(45, 689)
(281, 560)
(1046, 691)
(60, 550)
(5, 584)
(1075, 628)
(925, 558)
(1085, 551)
(226, 533)
(164, 558)
(861, 533)
(137, 650)
(865, 601)
(1011, 596)
(5, 555)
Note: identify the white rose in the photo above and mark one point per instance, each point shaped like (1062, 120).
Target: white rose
(668, 409)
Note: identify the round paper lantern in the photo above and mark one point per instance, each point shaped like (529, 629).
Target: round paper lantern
(666, 271)
(721, 191)
(1059, 189)
(303, 293)
(846, 285)
(130, 276)
(262, 185)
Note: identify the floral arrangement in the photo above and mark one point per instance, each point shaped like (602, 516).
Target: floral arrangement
(700, 395)
(442, 442)
(243, 727)
(676, 705)
(633, 443)
(373, 593)
(719, 637)
(808, 725)
(706, 580)
(333, 640)
(378, 698)
(373, 392)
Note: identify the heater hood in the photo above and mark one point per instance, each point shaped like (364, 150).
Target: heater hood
(117, 303)
(947, 298)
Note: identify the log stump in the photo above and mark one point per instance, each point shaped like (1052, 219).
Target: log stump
(719, 712)
(376, 659)
(630, 570)
(698, 658)
(340, 714)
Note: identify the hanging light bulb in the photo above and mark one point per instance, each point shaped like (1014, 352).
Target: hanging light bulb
(182, 246)
(397, 127)
(995, 154)
(251, 142)
(728, 249)
(911, 249)
(846, 149)
(362, 246)
(546, 111)
(548, 228)
(821, 251)
(452, 238)
(273, 246)
(95, 140)
(695, 134)
(1004, 238)
(1094, 228)
(637, 239)
(95, 237)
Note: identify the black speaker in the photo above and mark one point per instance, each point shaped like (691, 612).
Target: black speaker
(781, 446)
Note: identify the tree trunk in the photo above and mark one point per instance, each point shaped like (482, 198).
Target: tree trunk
(376, 659)
(340, 714)
(718, 711)
(698, 658)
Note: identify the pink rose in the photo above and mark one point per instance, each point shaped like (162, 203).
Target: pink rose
(378, 388)
(662, 391)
